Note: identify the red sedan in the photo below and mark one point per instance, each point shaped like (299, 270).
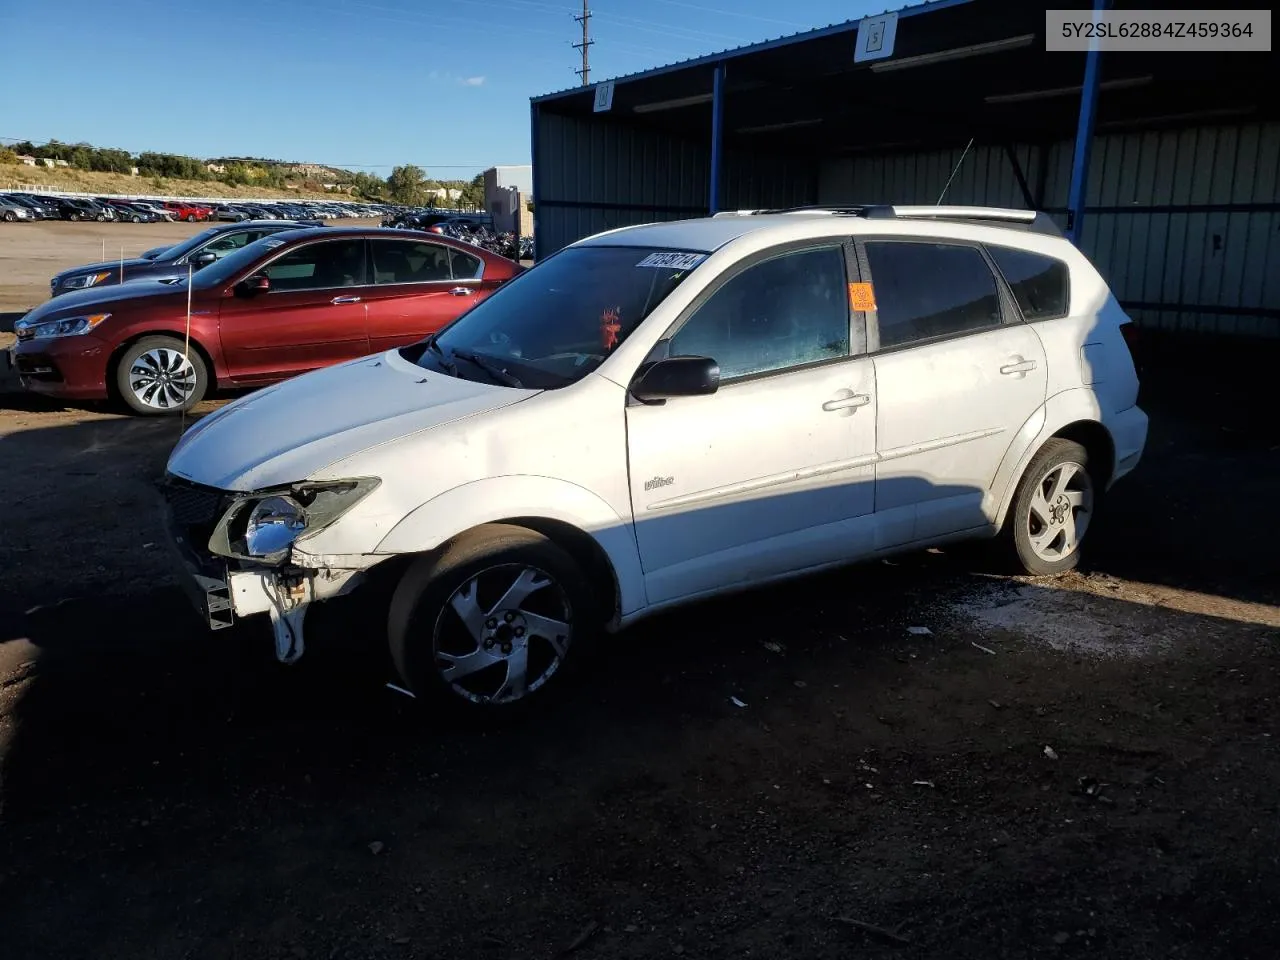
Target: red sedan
(288, 303)
(191, 212)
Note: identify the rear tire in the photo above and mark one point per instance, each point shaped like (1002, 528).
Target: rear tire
(191, 218)
(10, 216)
(157, 376)
(1052, 510)
(517, 588)
(75, 218)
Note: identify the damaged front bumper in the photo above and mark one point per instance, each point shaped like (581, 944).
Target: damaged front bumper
(223, 590)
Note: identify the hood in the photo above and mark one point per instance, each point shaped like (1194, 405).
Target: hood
(101, 299)
(293, 430)
(110, 265)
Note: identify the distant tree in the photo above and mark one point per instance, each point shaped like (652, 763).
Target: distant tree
(368, 186)
(8, 156)
(473, 194)
(407, 184)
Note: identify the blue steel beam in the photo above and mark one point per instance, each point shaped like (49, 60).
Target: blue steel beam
(1084, 137)
(717, 134)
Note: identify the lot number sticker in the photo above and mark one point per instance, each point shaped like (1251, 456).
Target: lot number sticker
(672, 261)
(861, 297)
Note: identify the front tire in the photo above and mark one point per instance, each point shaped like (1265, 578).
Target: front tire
(75, 218)
(491, 626)
(10, 216)
(158, 375)
(1052, 509)
(191, 218)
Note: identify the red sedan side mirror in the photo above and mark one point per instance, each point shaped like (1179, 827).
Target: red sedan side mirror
(252, 286)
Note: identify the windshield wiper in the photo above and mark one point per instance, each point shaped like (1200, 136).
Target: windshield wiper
(489, 367)
(450, 367)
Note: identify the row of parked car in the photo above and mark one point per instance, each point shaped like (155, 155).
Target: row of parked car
(475, 228)
(17, 206)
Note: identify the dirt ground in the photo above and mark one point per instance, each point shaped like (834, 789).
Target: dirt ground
(1080, 768)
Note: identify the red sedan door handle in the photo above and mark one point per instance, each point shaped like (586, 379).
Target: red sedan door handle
(462, 291)
(345, 300)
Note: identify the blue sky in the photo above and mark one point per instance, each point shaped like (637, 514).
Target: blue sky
(364, 84)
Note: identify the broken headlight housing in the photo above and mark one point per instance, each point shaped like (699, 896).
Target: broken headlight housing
(263, 526)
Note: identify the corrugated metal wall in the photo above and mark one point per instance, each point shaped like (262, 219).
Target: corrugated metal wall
(598, 175)
(1183, 224)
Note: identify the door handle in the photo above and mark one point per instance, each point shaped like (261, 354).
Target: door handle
(345, 300)
(1020, 366)
(462, 291)
(851, 402)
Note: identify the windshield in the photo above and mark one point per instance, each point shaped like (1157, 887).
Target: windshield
(225, 268)
(186, 246)
(558, 321)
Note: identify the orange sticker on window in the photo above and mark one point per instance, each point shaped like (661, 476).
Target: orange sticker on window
(861, 297)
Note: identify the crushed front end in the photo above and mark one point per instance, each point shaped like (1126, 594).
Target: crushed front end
(238, 556)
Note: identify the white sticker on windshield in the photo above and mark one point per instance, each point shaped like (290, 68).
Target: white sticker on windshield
(673, 261)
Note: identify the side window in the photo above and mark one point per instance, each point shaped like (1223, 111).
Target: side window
(926, 290)
(319, 266)
(1041, 285)
(227, 243)
(464, 266)
(787, 311)
(409, 261)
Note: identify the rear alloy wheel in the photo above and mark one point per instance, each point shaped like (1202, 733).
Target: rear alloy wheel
(75, 217)
(10, 216)
(491, 626)
(191, 218)
(158, 375)
(137, 219)
(101, 218)
(1052, 509)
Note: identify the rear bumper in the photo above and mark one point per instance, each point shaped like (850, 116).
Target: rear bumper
(1129, 434)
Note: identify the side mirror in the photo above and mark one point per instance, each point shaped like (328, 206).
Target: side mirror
(676, 377)
(252, 286)
(203, 259)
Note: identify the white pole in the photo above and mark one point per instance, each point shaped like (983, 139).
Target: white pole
(186, 346)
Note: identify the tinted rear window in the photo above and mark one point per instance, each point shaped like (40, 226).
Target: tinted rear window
(1041, 285)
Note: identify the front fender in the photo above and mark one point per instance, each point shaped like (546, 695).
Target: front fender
(505, 498)
(1063, 408)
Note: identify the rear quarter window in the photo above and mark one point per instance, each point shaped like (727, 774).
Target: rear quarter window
(1041, 285)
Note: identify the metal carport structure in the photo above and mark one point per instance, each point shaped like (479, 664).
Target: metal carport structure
(1180, 207)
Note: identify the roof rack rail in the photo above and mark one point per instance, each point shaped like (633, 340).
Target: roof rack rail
(1033, 221)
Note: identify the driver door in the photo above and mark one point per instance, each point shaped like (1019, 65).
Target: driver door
(313, 315)
(773, 473)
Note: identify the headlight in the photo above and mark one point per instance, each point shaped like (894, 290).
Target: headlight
(264, 526)
(273, 525)
(85, 280)
(66, 327)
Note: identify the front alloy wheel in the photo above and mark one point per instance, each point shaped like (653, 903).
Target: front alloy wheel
(159, 375)
(487, 626)
(503, 634)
